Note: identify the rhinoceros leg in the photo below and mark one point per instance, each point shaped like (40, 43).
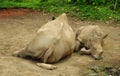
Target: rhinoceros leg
(46, 56)
(19, 53)
(84, 51)
(46, 66)
(48, 53)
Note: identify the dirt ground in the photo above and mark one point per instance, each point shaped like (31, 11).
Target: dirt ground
(17, 29)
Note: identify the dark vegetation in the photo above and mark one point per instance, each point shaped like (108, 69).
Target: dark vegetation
(83, 9)
(109, 70)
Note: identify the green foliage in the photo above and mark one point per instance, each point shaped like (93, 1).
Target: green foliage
(92, 2)
(34, 4)
(90, 11)
(100, 13)
(83, 9)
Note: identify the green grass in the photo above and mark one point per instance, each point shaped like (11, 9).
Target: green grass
(19, 5)
(84, 12)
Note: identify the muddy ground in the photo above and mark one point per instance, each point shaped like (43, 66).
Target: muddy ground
(17, 30)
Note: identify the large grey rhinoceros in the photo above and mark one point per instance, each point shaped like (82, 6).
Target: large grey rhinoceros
(54, 41)
(89, 40)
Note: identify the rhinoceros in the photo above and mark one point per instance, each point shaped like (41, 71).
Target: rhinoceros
(53, 41)
(89, 40)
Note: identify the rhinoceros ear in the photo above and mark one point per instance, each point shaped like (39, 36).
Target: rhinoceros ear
(105, 35)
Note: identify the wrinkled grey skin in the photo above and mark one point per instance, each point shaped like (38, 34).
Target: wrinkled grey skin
(53, 41)
(89, 40)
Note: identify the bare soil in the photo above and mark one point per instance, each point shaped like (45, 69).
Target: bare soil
(19, 26)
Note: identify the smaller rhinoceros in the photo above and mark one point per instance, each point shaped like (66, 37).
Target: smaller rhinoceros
(89, 40)
(53, 41)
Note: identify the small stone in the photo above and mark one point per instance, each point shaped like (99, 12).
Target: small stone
(93, 74)
(95, 68)
(107, 22)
